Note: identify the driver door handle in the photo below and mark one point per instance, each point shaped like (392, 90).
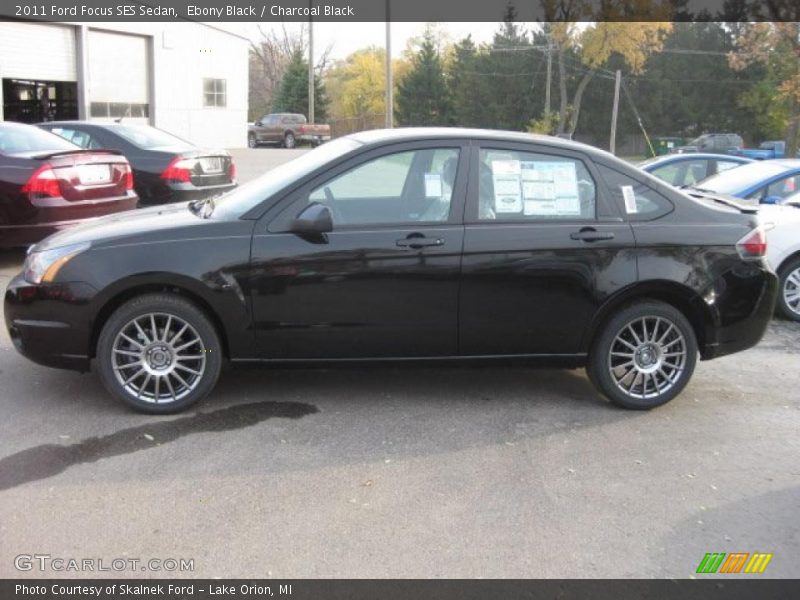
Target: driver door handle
(590, 234)
(417, 242)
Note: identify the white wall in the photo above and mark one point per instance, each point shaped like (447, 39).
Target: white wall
(183, 55)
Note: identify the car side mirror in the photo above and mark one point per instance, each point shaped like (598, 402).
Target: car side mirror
(258, 123)
(313, 219)
(771, 200)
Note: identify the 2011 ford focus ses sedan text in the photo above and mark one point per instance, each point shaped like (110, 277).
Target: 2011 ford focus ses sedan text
(408, 244)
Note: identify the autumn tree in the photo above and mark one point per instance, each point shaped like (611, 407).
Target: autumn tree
(585, 49)
(777, 46)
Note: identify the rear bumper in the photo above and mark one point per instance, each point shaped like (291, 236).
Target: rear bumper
(185, 192)
(741, 328)
(46, 220)
(47, 324)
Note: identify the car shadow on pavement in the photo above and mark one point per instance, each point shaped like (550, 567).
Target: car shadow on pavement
(47, 460)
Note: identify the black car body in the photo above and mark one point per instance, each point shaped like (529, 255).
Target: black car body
(48, 184)
(350, 253)
(165, 168)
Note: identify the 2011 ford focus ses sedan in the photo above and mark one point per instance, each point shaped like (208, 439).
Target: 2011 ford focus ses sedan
(409, 244)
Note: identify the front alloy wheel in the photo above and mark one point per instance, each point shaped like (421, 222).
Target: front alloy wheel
(645, 356)
(289, 141)
(159, 353)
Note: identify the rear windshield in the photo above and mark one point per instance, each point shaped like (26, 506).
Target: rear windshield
(22, 139)
(150, 138)
(741, 178)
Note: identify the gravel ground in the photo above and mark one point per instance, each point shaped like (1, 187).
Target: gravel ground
(405, 471)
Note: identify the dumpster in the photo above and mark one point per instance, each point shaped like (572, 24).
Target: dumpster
(665, 144)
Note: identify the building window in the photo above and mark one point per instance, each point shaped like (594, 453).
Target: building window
(214, 93)
(119, 110)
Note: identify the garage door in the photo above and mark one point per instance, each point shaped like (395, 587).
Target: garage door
(118, 81)
(38, 52)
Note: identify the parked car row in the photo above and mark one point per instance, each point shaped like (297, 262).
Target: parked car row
(57, 174)
(772, 185)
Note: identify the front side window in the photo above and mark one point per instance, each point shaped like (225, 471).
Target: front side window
(527, 186)
(415, 186)
(214, 93)
(637, 200)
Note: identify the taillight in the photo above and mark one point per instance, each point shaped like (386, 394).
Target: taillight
(753, 245)
(127, 177)
(179, 169)
(232, 170)
(43, 182)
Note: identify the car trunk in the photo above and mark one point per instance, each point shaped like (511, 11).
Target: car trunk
(81, 175)
(209, 167)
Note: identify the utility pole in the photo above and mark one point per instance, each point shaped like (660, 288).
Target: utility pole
(613, 144)
(389, 85)
(549, 74)
(310, 70)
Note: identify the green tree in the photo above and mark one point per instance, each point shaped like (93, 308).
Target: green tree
(422, 95)
(465, 85)
(293, 93)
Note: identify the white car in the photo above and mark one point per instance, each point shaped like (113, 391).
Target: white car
(783, 251)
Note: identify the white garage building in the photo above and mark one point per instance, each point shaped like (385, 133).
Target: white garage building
(187, 78)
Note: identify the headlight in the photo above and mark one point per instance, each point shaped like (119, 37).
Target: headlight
(42, 267)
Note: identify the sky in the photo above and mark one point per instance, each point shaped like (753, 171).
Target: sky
(345, 38)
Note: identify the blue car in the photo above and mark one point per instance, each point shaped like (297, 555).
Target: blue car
(762, 182)
(688, 169)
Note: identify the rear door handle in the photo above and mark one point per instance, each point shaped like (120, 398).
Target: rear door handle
(590, 234)
(419, 242)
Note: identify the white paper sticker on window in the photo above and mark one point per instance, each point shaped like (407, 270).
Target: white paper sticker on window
(630, 199)
(433, 185)
(507, 192)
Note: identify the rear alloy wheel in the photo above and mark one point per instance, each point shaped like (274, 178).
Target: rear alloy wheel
(159, 354)
(789, 297)
(289, 141)
(251, 141)
(645, 356)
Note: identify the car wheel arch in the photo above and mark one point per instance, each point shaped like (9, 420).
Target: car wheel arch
(126, 293)
(683, 298)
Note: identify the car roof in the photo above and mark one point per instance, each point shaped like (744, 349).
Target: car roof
(667, 158)
(401, 134)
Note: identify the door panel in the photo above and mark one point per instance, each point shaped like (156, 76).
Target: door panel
(366, 289)
(540, 255)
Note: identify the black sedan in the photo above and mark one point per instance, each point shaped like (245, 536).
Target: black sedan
(410, 244)
(165, 167)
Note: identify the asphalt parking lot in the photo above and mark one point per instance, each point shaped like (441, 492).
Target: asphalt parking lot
(405, 471)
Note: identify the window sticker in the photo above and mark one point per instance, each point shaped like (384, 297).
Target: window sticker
(507, 192)
(550, 188)
(630, 199)
(433, 185)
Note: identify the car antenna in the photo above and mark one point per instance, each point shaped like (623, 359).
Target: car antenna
(127, 114)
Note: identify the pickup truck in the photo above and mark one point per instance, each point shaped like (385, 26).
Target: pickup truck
(287, 130)
(765, 151)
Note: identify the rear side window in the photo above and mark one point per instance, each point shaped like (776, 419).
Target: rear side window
(638, 201)
(527, 186)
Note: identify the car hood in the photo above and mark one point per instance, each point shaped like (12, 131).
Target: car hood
(142, 224)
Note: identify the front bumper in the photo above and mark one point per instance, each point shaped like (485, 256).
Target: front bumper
(47, 323)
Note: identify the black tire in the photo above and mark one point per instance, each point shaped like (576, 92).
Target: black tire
(289, 140)
(251, 140)
(662, 355)
(789, 277)
(129, 353)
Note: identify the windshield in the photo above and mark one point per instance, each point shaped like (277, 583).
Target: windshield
(19, 139)
(237, 202)
(699, 141)
(735, 181)
(150, 138)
